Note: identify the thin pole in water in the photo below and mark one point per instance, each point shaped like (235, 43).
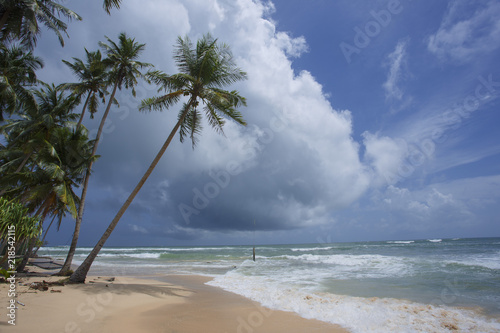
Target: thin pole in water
(253, 240)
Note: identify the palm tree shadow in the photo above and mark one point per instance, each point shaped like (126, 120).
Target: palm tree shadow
(105, 285)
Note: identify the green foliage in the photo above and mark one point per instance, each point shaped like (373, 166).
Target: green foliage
(108, 4)
(45, 157)
(31, 140)
(26, 227)
(204, 70)
(5, 274)
(121, 60)
(22, 20)
(93, 80)
(17, 74)
(14, 213)
(48, 187)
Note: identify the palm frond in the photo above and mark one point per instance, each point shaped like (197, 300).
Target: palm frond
(27, 16)
(161, 102)
(109, 4)
(214, 119)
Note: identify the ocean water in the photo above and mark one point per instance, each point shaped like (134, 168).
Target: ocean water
(434, 285)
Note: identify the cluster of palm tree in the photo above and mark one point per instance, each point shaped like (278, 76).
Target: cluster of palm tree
(43, 155)
(36, 165)
(15, 221)
(47, 153)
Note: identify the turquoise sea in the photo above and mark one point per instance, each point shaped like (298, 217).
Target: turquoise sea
(430, 285)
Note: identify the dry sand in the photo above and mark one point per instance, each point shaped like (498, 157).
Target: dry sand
(166, 304)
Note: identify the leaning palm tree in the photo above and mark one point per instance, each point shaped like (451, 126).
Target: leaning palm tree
(93, 81)
(204, 71)
(17, 74)
(124, 70)
(21, 19)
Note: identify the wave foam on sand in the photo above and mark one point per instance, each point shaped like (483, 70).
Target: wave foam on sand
(356, 313)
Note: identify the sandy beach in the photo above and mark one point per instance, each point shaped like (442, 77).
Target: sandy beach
(147, 304)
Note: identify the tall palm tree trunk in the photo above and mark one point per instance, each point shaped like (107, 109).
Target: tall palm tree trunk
(44, 236)
(4, 18)
(83, 111)
(79, 217)
(80, 274)
(23, 163)
(27, 256)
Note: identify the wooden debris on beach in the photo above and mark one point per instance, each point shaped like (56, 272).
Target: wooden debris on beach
(44, 285)
(109, 279)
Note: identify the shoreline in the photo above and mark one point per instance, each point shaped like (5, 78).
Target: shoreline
(171, 303)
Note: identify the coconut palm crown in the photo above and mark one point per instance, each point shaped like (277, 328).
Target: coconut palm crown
(124, 68)
(93, 81)
(204, 71)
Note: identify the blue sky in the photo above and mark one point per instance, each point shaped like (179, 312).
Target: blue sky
(367, 120)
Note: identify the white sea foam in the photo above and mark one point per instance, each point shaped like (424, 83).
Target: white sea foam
(131, 255)
(54, 248)
(400, 242)
(435, 240)
(491, 261)
(360, 266)
(137, 249)
(307, 249)
(355, 313)
(142, 249)
(347, 259)
(180, 249)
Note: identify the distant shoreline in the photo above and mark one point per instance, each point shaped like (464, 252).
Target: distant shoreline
(427, 239)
